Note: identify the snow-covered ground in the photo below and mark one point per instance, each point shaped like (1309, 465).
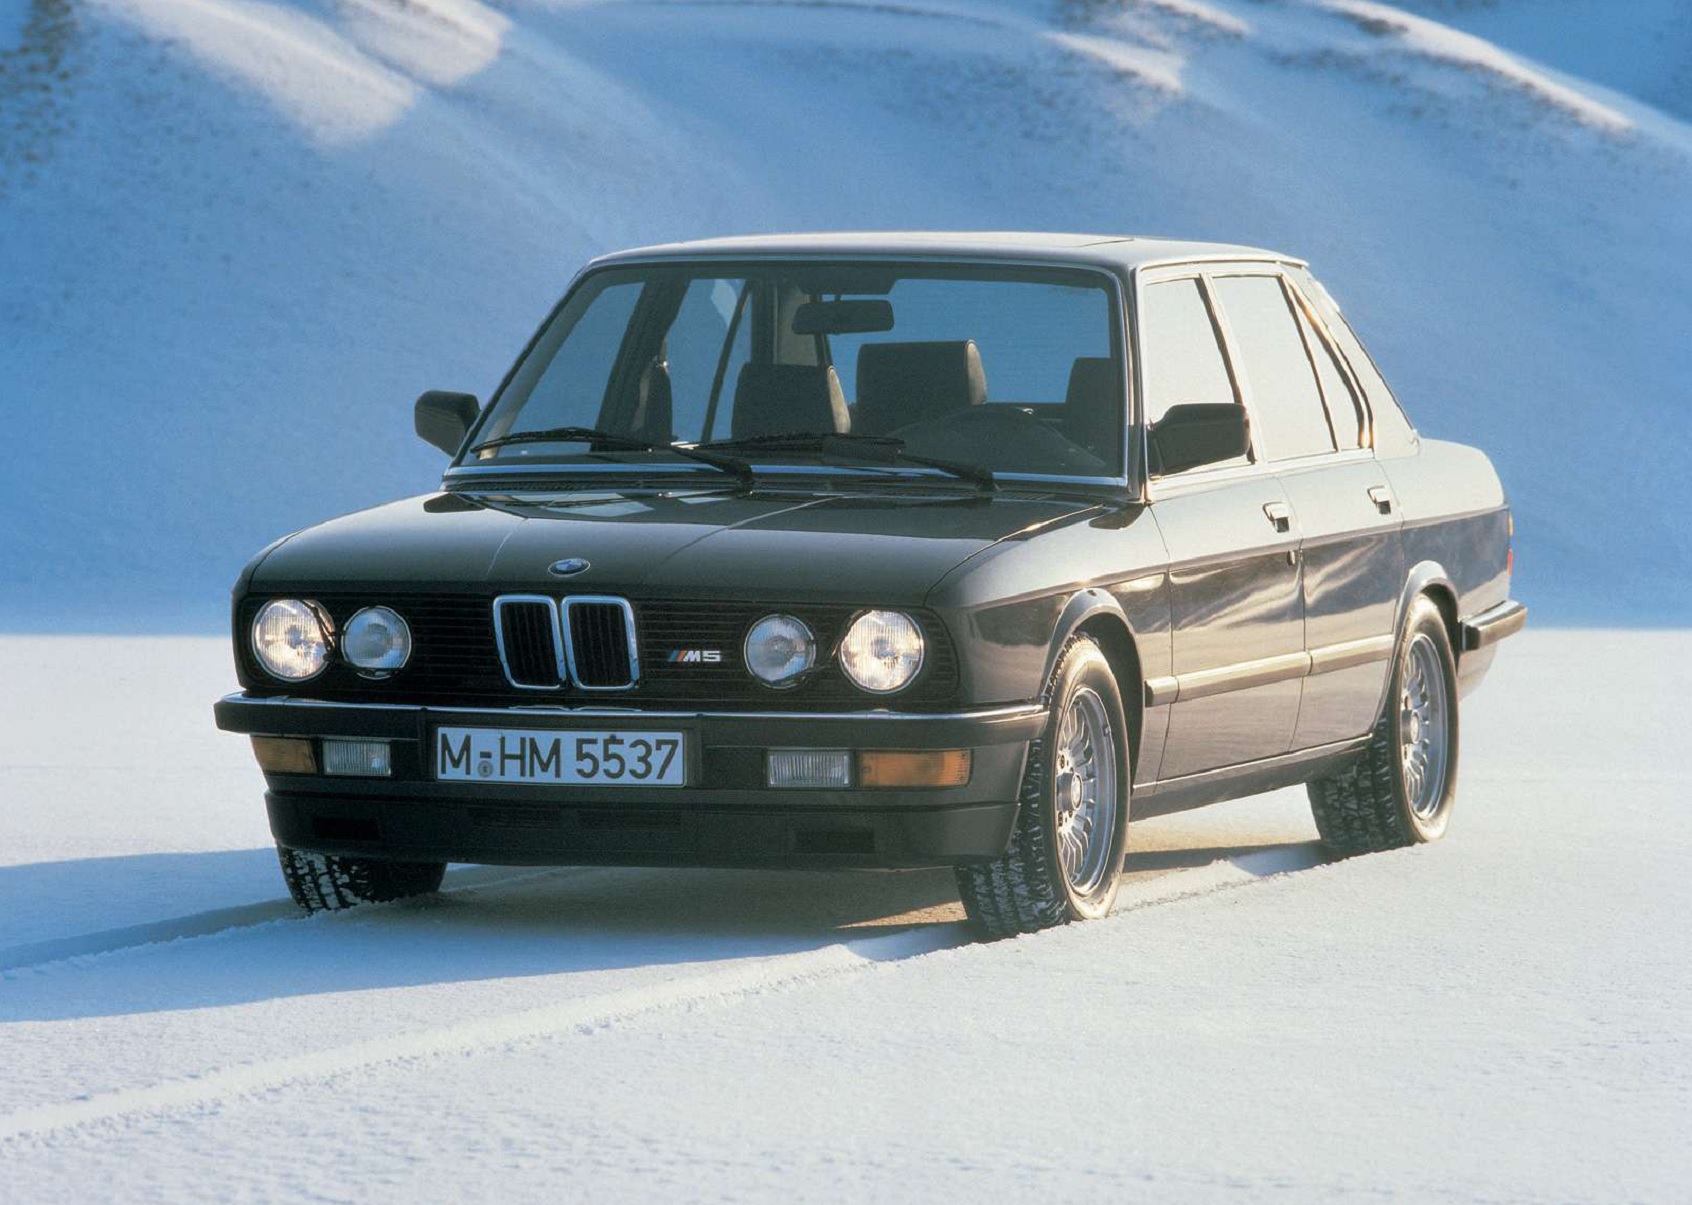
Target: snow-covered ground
(237, 237)
(1504, 1016)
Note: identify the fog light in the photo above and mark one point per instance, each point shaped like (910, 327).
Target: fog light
(357, 759)
(284, 755)
(927, 768)
(810, 768)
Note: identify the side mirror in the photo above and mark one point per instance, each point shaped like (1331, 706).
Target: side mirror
(1199, 434)
(443, 419)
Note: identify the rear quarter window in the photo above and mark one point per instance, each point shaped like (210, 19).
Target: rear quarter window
(1394, 434)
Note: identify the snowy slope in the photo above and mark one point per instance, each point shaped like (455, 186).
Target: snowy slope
(1500, 1017)
(238, 236)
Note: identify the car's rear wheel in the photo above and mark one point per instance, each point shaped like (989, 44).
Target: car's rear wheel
(1401, 792)
(328, 882)
(1065, 855)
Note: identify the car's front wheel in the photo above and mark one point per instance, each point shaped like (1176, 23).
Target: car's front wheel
(1065, 855)
(1402, 790)
(328, 882)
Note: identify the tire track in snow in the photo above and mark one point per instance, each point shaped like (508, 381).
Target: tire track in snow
(579, 1016)
(587, 1014)
(35, 955)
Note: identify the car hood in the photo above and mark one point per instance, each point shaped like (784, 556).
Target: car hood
(889, 548)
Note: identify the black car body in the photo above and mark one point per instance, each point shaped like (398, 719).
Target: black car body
(1246, 570)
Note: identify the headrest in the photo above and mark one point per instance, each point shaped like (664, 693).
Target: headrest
(653, 415)
(904, 383)
(1092, 407)
(775, 399)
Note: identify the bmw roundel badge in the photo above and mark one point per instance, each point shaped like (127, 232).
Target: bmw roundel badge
(568, 567)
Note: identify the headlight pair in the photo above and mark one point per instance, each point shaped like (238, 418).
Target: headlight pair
(293, 639)
(881, 652)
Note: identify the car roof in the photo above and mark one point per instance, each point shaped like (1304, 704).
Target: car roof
(1121, 252)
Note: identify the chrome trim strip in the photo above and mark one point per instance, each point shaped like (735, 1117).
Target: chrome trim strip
(1265, 671)
(557, 638)
(1348, 653)
(1493, 625)
(628, 635)
(1014, 712)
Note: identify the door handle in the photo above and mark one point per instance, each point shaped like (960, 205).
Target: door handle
(1381, 496)
(1280, 514)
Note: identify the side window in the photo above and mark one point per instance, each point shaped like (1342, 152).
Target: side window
(1182, 358)
(1285, 400)
(1345, 412)
(695, 346)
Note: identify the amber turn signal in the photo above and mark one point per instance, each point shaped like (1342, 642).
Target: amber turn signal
(285, 754)
(928, 768)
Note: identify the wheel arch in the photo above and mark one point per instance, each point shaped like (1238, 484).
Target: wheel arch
(1430, 578)
(1425, 578)
(1095, 613)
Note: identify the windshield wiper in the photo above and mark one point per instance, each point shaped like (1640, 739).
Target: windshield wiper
(610, 441)
(887, 448)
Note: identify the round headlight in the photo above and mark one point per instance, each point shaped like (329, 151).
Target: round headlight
(377, 641)
(291, 639)
(882, 651)
(779, 649)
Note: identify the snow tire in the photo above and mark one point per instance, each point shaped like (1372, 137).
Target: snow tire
(1025, 889)
(331, 882)
(1368, 807)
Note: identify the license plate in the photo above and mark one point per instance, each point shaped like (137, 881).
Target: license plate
(528, 756)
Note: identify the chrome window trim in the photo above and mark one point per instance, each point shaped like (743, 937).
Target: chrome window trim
(596, 712)
(1182, 483)
(563, 610)
(1201, 270)
(558, 649)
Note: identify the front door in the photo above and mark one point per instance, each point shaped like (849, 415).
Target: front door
(1236, 610)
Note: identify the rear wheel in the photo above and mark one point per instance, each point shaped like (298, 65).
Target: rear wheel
(1065, 855)
(328, 882)
(1402, 791)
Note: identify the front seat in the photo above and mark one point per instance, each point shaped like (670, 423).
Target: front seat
(904, 383)
(1092, 407)
(782, 399)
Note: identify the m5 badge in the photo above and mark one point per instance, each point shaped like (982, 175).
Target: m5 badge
(695, 657)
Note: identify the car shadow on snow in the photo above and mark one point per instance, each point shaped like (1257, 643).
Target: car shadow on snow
(489, 923)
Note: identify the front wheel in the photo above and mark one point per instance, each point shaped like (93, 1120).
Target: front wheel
(329, 882)
(1064, 860)
(1402, 791)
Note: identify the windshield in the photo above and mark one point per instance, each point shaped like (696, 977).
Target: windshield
(1003, 369)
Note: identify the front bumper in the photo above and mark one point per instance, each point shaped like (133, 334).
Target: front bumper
(725, 816)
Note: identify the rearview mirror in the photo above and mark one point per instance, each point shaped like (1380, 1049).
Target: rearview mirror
(856, 317)
(1198, 434)
(443, 419)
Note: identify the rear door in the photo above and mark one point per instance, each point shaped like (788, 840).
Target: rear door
(1313, 430)
(1236, 609)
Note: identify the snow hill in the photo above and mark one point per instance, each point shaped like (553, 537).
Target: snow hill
(237, 237)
